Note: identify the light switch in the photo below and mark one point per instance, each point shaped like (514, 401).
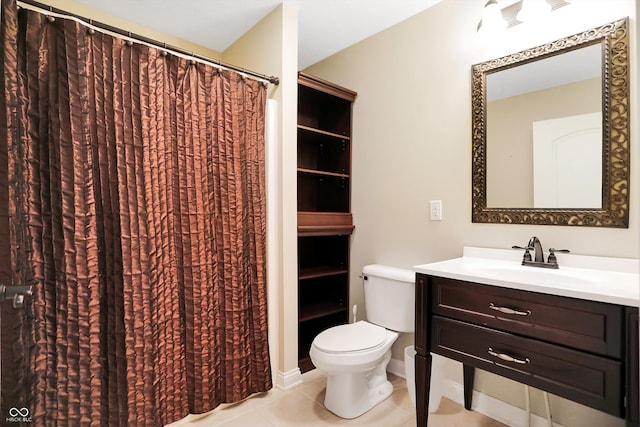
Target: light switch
(435, 209)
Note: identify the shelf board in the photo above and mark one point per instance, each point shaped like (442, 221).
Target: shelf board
(324, 223)
(323, 271)
(325, 231)
(322, 173)
(323, 132)
(321, 309)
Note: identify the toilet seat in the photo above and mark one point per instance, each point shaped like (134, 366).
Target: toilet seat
(351, 338)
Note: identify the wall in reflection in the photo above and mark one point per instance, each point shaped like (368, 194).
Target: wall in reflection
(510, 175)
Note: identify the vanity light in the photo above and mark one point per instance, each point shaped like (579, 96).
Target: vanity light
(531, 10)
(492, 20)
(495, 18)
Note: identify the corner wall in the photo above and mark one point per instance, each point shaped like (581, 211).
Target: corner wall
(412, 144)
(271, 47)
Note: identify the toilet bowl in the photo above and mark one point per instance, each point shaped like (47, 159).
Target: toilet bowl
(355, 356)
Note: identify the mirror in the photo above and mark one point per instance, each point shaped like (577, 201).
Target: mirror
(551, 133)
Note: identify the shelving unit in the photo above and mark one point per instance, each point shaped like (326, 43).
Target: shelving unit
(324, 208)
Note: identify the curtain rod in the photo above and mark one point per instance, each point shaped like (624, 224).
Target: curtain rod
(90, 22)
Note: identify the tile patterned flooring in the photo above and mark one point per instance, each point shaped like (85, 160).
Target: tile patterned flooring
(302, 406)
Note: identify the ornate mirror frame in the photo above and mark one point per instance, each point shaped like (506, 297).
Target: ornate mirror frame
(615, 128)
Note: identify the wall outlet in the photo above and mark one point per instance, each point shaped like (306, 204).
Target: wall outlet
(435, 210)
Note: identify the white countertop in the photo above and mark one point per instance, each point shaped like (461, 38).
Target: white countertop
(612, 280)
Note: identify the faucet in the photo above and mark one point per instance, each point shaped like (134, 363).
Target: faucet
(538, 254)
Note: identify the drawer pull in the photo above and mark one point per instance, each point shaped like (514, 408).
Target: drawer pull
(507, 310)
(508, 358)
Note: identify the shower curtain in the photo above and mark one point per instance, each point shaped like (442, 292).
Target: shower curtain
(136, 210)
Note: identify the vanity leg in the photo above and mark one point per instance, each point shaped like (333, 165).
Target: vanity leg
(633, 368)
(423, 383)
(468, 373)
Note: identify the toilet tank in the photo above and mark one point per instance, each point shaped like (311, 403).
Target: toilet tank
(389, 296)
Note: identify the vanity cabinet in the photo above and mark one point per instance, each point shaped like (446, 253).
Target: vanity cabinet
(324, 208)
(585, 351)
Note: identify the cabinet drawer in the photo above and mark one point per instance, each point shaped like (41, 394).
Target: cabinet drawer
(592, 380)
(586, 325)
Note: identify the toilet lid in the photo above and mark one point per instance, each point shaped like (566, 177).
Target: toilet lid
(352, 337)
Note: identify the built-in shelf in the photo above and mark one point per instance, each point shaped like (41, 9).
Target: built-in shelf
(323, 173)
(315, 311)
(324, 223)
(324, 208)
(320, 271)
(311, 130)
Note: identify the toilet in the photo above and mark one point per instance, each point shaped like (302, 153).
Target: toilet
(355, 356)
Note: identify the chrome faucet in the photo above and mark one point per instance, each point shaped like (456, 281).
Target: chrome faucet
(538, 254)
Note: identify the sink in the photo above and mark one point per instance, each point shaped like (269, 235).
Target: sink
(604, 279)
(514, 272)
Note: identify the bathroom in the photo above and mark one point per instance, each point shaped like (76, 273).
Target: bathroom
(412, 144)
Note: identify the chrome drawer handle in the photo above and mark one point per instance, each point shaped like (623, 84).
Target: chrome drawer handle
(508, 358)
(507, 310)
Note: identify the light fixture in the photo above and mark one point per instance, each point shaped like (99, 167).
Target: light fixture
(495, 18)
(531, 10)
(492, 20)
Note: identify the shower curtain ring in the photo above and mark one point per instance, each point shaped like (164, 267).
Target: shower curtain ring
(50, 18)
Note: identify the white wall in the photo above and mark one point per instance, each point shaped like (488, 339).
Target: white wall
(412, 144)
(271, 47)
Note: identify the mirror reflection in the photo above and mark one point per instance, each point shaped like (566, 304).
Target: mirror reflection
(539, 115)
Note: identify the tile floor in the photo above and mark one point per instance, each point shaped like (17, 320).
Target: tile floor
(302, 406)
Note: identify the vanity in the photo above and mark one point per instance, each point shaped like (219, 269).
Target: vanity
(571, 331)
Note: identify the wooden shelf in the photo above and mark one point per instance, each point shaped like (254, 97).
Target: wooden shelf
(319, 152)
(321, 271)
(321, 309)
(324, 223)
(322, 173)
(341, 137)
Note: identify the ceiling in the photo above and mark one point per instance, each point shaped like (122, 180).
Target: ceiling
(325, 26)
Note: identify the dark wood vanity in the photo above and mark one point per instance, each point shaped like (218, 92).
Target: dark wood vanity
(585, 351)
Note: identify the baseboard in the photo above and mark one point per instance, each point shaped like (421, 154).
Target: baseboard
(288, 380)
(396, 367)
(493, 408)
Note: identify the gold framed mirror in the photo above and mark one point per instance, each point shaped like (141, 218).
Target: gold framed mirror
(525, 165)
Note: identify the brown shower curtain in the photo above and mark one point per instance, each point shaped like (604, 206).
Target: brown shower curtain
(136, 211)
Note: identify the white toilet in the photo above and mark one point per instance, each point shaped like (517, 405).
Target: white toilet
(355, 356)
